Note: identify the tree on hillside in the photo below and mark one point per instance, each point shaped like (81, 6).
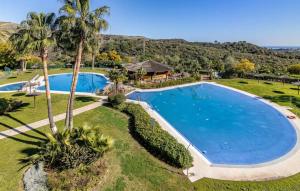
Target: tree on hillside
(35, 34)
(244, 66)
(79, 23)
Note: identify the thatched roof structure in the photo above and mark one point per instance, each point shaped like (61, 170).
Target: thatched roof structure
(149, 66)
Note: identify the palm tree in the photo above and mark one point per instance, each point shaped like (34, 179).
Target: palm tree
(117, 76)
(140, 74)
(95, 40)
(35, 34)
(80, 23)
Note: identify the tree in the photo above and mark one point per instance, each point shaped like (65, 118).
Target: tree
(95, 41)
(24, 59)
(117, 76)
(79, 23)
(229, 65)
(294, 69)
(244, 66)
(7, 56)
(35, 34)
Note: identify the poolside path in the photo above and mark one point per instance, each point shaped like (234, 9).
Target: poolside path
(41, 123)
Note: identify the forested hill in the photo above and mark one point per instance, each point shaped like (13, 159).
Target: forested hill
(188, 56)
(192, 55)
(6, 29)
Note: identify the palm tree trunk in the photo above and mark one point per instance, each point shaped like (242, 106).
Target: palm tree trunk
(69, 114)
(23, 65)
(44, 55)
(93, 61)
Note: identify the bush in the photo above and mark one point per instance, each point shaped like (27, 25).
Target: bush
(168, 83)
(116, 100)
(7, 105)
(294, 69)
(156, 140)
(70, 149)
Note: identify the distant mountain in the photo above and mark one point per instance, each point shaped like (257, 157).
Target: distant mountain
(6, 29)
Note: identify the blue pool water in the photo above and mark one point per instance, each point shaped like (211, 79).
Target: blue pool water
(12, 87)
(87, 82)
(226, 126)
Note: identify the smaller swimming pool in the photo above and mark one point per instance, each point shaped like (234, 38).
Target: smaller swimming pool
(87, 82)
(12, 87)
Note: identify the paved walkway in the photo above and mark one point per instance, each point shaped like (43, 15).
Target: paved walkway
(44, 122)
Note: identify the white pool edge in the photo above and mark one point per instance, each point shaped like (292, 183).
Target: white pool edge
(198, 155)
(11, 84)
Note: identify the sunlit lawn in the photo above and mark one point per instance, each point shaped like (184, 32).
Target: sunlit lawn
(28, 113)
(283, 94)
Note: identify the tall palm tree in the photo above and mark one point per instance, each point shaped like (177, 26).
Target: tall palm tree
(35, 34)
(80, 23)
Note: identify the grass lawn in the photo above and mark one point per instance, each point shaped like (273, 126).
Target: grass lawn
(130, 166)
(286, 95)
(29, 74)
(28, 114)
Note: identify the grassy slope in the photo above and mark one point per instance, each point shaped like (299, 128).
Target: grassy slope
(130, 166)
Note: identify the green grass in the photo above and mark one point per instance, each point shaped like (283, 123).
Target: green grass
(286, 95)
(28, 113)
(130, 166)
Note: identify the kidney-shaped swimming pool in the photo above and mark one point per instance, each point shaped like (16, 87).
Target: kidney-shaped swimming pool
(226, 126)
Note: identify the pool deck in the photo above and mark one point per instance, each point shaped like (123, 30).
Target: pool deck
(284, 166)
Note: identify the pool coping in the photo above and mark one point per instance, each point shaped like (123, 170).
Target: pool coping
(11, 84)
(260, 171)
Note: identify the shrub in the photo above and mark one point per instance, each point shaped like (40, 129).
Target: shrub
(168, 83)
(294, 69)
(156, 140)
(70, 149)
(7, 105)
(116, 100)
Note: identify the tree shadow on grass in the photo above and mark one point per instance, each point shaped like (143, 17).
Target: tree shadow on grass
(278, 92)
(12, 77)
(268, 83)
(22, 123)
(243, 82)
(18, 94)
(85, 99)
(284, 98)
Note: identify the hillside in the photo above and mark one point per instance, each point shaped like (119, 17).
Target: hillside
(188, 56)
(6, 29)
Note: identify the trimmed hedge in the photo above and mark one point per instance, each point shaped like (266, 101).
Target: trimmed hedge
(156, 140)
(168, 83)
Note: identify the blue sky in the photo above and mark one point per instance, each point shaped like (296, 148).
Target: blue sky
(263, 22)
